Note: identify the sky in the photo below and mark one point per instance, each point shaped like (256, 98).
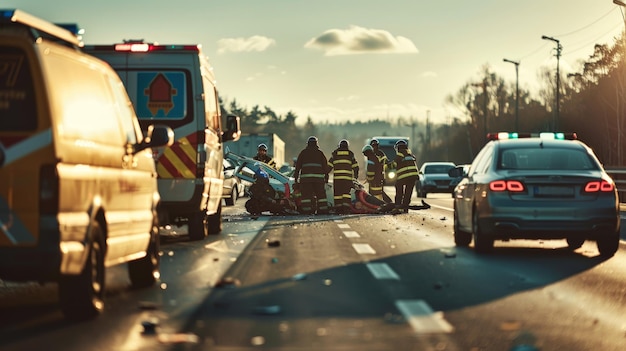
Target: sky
(353, 60)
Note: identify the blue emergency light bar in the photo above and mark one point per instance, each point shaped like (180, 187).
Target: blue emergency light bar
(542, 135)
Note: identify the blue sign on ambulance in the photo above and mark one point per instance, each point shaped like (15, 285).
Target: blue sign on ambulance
(161, 95)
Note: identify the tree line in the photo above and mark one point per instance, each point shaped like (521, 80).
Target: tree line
(592, 103)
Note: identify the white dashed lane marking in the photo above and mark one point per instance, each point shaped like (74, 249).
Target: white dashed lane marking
(351, 234)
(382, 271)
(363, 249)
(422, 318)
(417, 313)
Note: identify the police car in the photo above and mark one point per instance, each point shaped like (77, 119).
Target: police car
(536, 186)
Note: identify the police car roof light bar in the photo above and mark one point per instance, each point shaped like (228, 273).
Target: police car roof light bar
(542, 135)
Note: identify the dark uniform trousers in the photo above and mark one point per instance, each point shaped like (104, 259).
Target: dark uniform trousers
(313, 198)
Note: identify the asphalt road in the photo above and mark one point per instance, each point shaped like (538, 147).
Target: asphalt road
(357, 282)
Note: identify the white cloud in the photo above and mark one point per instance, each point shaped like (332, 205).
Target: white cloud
(253, 43)
(429, 74)
(359, 40)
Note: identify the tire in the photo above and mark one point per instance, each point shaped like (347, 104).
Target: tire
(230, 201)
(197, 226)
(461, 238)
(575, 243)
(482, 244)
(214, 222)
(608, 244)
(144, 272)
(82, 296)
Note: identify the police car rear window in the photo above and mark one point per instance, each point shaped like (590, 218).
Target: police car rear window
(546, 159)
(17, 95)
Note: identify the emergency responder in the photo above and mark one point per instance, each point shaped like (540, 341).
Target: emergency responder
(376, 189)
(312, 174)
(263, 196)
(261, 155)
(345, 168)
(374, 173)
(406, 176)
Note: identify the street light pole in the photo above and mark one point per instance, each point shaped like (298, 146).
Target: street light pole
(618, 117)
(516, 63)
(555, 123)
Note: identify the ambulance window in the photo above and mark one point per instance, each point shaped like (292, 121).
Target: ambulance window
(211, 104)
(17, 94)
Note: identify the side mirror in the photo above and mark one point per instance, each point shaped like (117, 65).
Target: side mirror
(156, 136)
(233, 128)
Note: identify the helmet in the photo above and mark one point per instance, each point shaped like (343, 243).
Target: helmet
(261, 175)
(367, 148)
(262, 147)
(401, 144)
(312, 140)
(344, 144)
(374, 142)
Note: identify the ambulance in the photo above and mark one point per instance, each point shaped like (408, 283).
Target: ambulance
(78, 189)
(174, 85)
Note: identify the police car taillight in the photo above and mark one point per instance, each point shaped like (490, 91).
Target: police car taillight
(598, 186)
(506, 185)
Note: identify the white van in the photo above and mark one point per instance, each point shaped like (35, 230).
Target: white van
(174, 85)
(78, 189)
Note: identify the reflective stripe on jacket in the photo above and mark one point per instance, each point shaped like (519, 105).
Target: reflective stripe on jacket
(405, 164)
(344, 165)
(311, 166)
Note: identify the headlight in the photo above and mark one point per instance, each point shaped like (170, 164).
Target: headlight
(391, 175)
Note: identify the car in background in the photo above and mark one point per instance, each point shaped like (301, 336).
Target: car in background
(546, 186)
(233, 188)
(433, 178)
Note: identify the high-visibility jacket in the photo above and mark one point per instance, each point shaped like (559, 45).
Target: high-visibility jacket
(382, 158)
(343, 164)
(311, 166)
(374, 169)
(270, 161)
(405, 164)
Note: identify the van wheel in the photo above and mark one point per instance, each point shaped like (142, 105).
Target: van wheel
(82, 296)
(214, 222)
(144, 272)
(197, 226)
